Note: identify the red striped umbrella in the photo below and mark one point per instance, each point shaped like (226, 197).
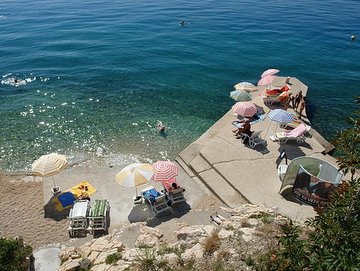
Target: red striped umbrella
(164, 171)
(269, 72)
(266, 80)
(244, 109)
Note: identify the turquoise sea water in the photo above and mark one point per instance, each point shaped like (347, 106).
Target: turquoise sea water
(101, 73)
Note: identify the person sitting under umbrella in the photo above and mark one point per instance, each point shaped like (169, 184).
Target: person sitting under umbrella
(246, 129)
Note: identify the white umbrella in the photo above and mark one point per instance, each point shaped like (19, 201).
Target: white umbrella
(49, 165)
(281, 116)
(246, 86)
(240, 96)
(135, 175)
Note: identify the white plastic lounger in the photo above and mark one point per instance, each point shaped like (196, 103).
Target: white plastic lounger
(78, 218)
(297, 134)
(157, 201)
(253, 140)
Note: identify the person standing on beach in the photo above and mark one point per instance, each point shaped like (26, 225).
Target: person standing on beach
(298, 98)
(292, 100)
(302, 106)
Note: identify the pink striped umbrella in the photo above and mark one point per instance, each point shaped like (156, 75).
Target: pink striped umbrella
(164, 171)
(266, 80)
(269, 72)
(244, 109)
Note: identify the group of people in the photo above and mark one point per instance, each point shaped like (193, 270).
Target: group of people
(297, 103)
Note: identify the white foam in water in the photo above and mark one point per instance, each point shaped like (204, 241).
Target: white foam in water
(6, 75)
(16, 81)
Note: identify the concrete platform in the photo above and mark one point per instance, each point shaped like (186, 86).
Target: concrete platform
(236, 173)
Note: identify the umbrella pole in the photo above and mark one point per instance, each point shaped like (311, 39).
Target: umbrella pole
(53, 181)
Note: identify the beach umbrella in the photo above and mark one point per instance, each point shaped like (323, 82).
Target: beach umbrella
(269, 72)
(246, 86)
(49, 165)
(164, 171)
(244, 109)
(266, 80)
(280, 115)
(135, 175)
(242, 96)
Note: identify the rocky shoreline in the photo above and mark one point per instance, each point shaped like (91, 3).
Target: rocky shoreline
(247, 232)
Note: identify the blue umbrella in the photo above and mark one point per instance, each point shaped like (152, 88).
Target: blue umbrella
(240, 96)
(280, 115)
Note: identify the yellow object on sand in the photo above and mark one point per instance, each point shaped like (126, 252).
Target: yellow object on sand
(59, 207)
(82, 188)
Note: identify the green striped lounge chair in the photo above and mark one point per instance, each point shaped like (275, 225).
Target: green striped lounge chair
(98, 216)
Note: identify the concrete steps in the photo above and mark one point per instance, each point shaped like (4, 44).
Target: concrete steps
(202, 170)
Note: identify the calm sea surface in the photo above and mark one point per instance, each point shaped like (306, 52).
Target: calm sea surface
(99, 74)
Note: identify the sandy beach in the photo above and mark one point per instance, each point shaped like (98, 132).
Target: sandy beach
(24, 198)
(22, 212)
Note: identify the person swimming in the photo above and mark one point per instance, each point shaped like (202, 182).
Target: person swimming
(160, 126)
(182, 23)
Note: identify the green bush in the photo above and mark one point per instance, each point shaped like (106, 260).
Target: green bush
(113, 258)
(13, 253)
(332, 242)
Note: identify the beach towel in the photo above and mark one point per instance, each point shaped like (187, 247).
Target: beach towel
(151, 195)
(82, 188)
(64, 200)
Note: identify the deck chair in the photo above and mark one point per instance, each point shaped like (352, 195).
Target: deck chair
(297, 134)
(175, 195)
(98, 216)
(78, 218)
(282, 168)
(254, 139)
(295, 123)
(158, 201)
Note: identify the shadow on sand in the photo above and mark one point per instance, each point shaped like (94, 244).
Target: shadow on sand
(51, 212)
(142, 213)
(292, 151)
(261, 148)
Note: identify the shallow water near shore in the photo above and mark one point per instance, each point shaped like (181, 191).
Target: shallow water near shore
(94, 77)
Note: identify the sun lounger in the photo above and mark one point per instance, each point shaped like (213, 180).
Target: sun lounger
(78, 218)
(297, 134)
(158, 201)
(254, 139)
(276, 96)
(282, 171)
(98, 216)
(175, 195)
(295, 123)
